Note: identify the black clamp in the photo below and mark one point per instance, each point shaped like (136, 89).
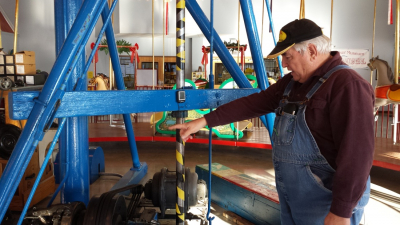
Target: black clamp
(180, 96)
(179, 114)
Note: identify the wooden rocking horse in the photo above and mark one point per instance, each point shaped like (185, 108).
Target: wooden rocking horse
(386, 91)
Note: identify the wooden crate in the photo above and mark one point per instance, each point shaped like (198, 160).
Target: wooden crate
(44, 189)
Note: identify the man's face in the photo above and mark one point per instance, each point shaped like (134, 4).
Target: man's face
(299, 64)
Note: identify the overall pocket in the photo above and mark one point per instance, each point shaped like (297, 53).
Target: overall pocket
(322, 176)
(284, 129)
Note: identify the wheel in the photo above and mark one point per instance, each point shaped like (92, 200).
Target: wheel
(9, 135)
(2, 118)
(6, 83)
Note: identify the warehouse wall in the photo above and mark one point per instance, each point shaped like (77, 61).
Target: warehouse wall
(352, 27)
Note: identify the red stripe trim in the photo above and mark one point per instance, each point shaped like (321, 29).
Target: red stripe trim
(166, 139)
(386, 165)
(194, 140)
(251, 190)
(254, 145)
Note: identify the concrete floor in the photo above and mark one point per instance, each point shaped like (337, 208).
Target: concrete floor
(254, 162)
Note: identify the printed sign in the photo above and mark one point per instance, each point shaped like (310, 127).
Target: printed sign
(355, 58)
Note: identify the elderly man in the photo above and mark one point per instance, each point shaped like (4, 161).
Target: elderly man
(323, 139)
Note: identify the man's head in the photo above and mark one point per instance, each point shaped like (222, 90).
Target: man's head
(303, 48)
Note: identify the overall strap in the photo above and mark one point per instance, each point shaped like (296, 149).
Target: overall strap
(288, 89)
(323, 79)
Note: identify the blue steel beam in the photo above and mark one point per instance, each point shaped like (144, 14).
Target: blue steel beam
(122, 102)
(254, 43)
(44, 106)
(222, 52)
(119, 80)
(271, 24)
(74, 136)
(219, 47)
(256, 54)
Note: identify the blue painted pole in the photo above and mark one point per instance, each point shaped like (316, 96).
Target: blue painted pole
(43, 108)
(82, 80)
(254, 42)
(119, 80)
(211, 84)
(222, 52)
(74, 137)
(256, 54)
(271, 24)
(41, 171)
(80, 85)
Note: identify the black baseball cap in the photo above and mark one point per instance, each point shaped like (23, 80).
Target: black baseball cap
(293, 33)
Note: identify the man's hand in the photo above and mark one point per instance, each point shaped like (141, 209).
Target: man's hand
(189, 128)
(332, 219)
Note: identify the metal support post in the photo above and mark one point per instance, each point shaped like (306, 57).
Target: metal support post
(219, 47)
(271, 24)
(222, 52)
(180, 83)
(119, 80)
(256, 53)
(74, 137)
(44, 106)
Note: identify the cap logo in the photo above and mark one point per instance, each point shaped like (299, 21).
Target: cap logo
(282, 36)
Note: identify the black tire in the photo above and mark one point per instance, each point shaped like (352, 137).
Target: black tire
(2, 118)
(9, 135)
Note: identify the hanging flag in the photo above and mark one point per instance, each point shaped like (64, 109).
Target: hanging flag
(204, 60)
(166, 21)
(390, 13)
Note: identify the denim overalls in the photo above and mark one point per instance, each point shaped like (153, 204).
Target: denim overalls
(303, 176)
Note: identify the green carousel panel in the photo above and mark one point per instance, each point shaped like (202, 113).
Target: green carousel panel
(233, 130)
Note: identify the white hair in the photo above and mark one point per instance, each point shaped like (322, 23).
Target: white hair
(323, 44)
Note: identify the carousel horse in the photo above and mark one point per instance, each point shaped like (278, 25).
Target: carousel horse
(101, 81)
(386, 91)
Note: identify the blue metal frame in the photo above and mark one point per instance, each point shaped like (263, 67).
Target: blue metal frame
(245, 203)
(119, 80)
(21, 103)
(225, 56)
(211, 82)
(271, 24)
(256, 54)
(44, 106)
(74, 136)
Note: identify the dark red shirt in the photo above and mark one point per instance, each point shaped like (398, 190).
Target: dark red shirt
(339, 116)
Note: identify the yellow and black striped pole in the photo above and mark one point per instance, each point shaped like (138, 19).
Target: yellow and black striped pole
(180, 83)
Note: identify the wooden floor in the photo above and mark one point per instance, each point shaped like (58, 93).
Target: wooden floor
(387, 154)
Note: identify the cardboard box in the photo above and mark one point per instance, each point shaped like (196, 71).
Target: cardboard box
(9, 59)
(2, 61)
(37, 79)
(2, 69)
(25, 69)
(10, 69)
(25, 57)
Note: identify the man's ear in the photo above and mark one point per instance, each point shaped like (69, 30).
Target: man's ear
(312, 50)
